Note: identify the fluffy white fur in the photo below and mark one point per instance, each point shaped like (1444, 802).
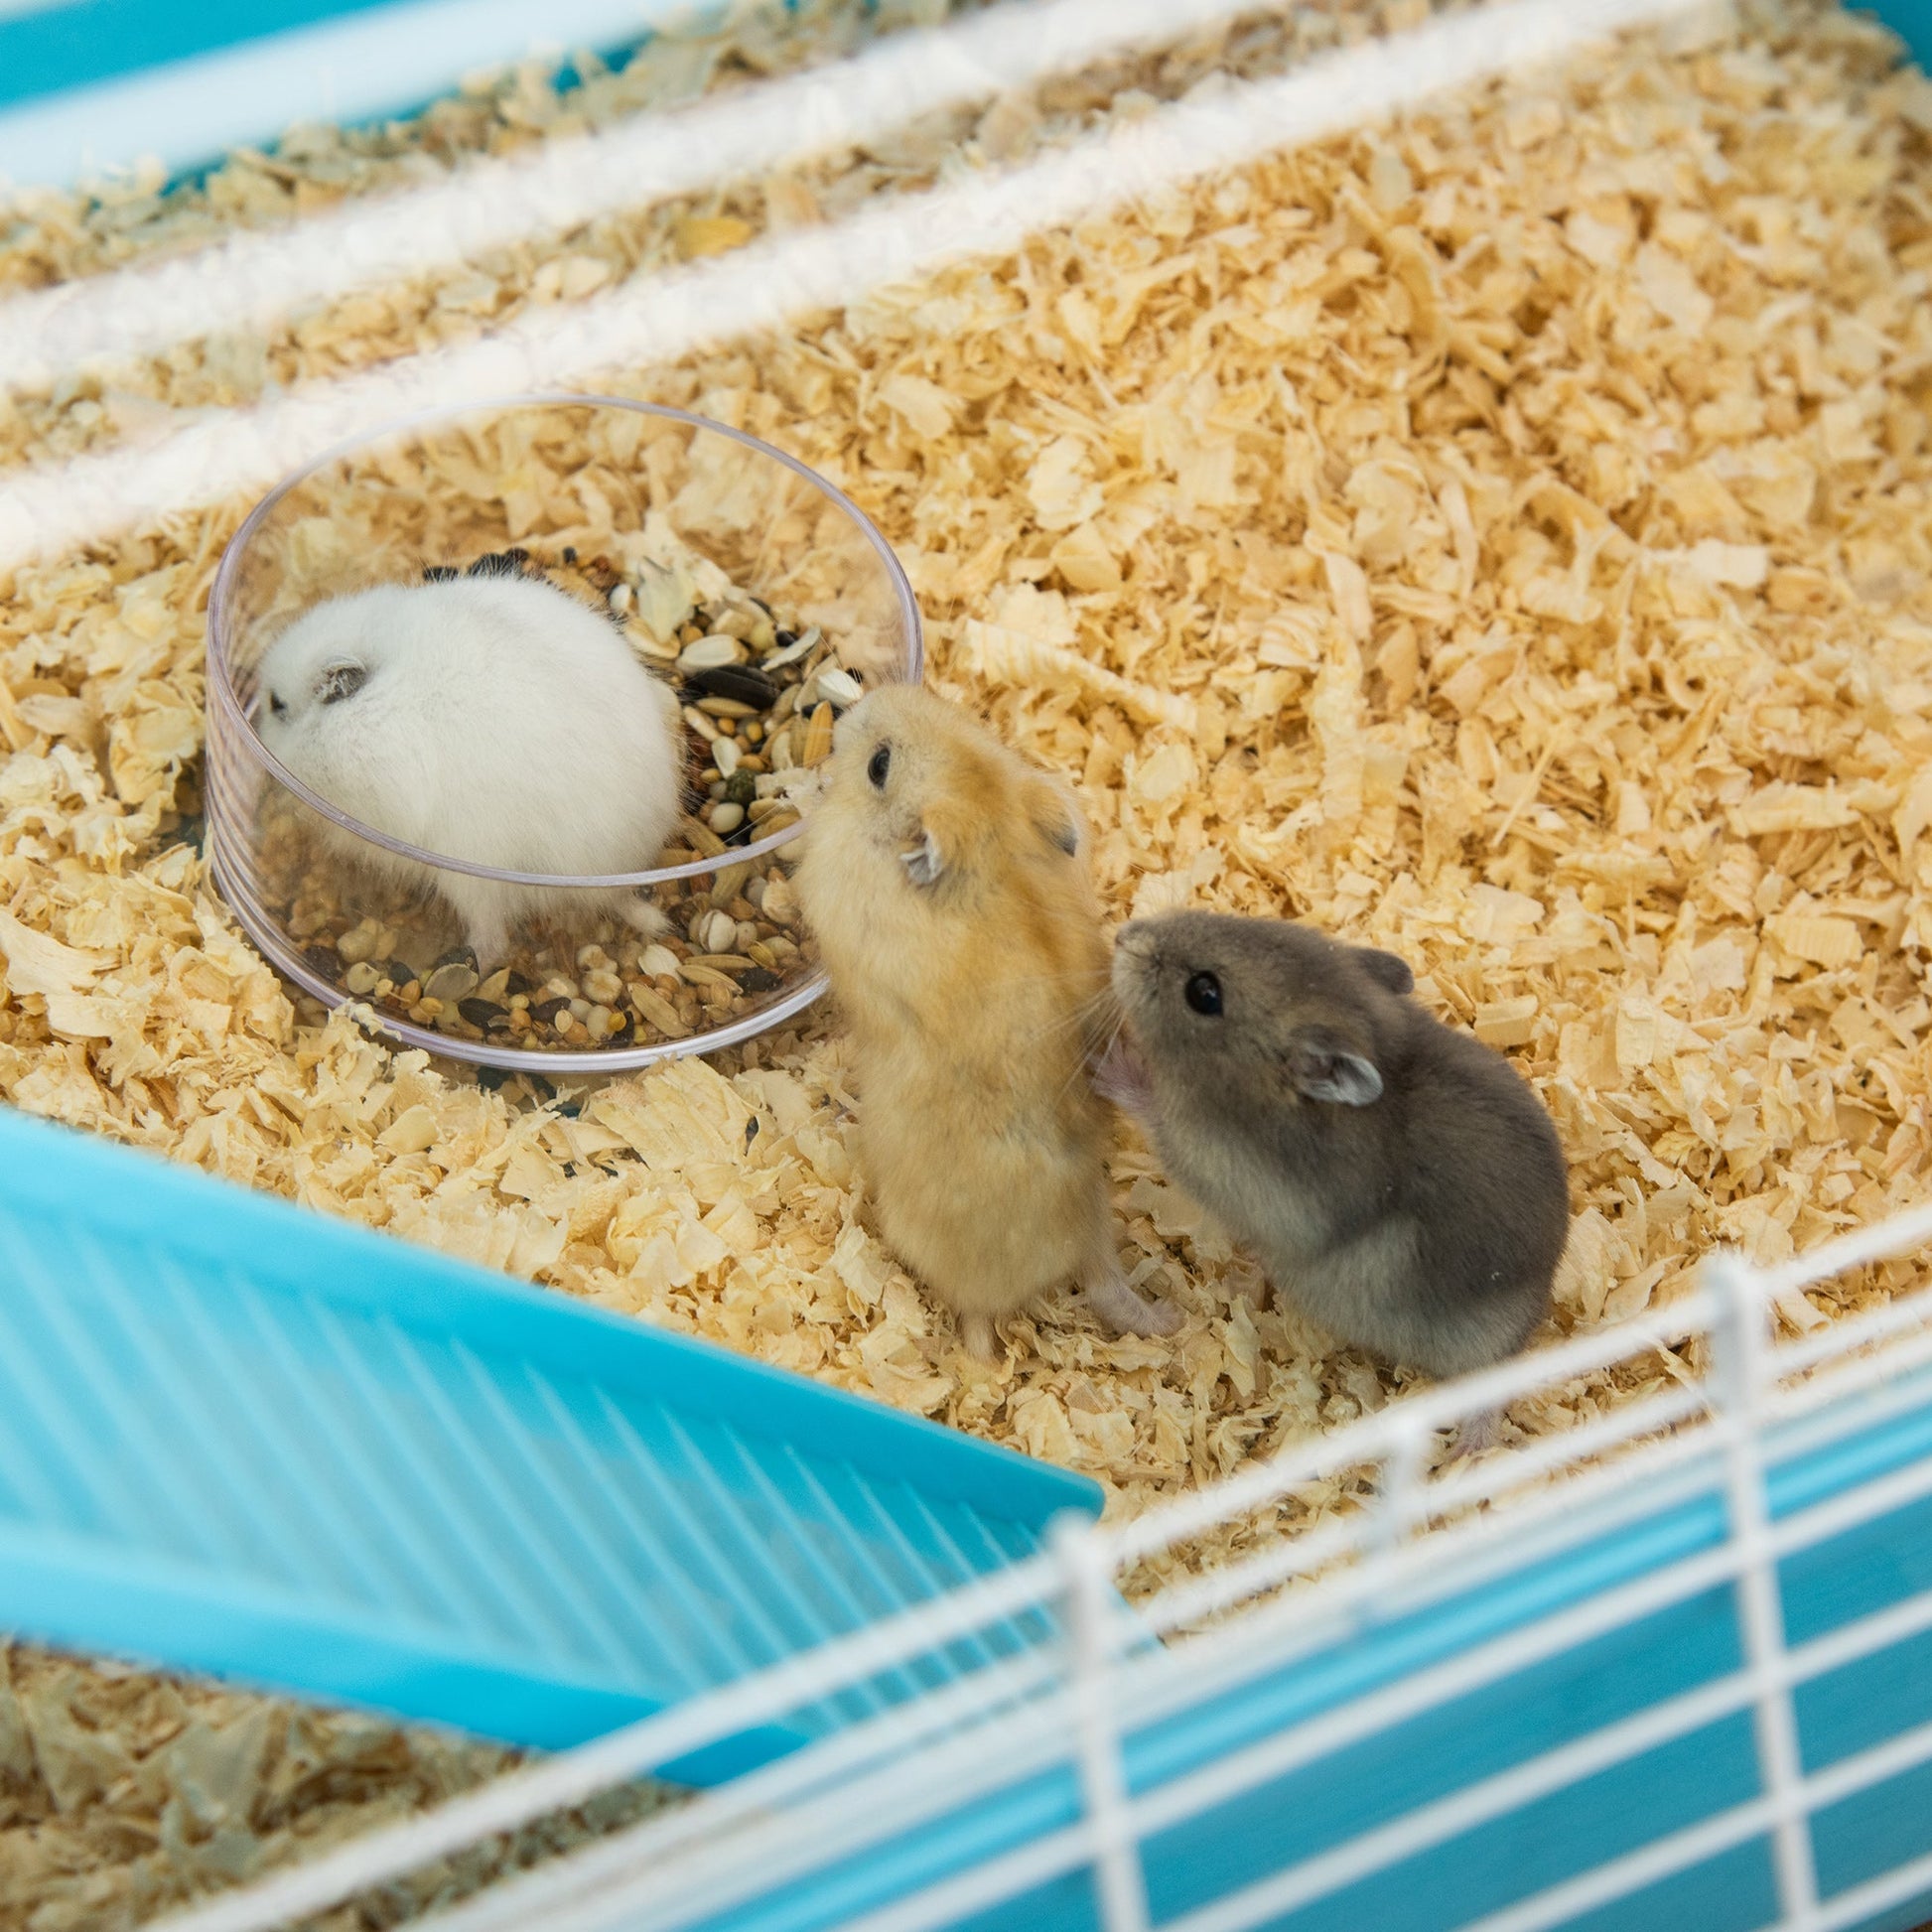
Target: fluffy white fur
(490, 719)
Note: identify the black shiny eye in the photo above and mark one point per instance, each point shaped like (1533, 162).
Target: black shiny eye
(880, 765)
(276, 706)
(1203, 993)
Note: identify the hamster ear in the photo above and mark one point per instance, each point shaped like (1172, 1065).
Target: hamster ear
(341, 681)
(1322, 1067)
(1393, 973)
(1054, 815)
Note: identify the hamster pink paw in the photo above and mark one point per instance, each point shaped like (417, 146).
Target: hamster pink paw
(1476, 1434)
(1120, 1076)
(1121, 1310)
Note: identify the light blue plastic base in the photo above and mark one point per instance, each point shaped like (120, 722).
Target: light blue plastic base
(241, 1439)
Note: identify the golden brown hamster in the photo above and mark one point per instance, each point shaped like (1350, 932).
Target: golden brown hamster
(946, 880)
(1397, 1179)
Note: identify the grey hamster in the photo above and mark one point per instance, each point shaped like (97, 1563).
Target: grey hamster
(1397, 1179)
(488, 718)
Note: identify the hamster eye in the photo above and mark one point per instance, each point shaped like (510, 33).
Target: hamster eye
(881, 763)
(1203, 993)
(276, 707)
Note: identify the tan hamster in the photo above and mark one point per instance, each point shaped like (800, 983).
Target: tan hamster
(946, 880)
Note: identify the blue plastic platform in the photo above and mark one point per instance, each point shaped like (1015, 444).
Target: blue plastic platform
(243, 1439)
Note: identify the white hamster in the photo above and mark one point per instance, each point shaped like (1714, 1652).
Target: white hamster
(488, 718)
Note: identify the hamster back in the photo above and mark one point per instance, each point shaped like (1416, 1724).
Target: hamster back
(494, 720)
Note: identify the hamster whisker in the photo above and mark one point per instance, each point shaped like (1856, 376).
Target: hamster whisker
(1093, 1059)
(1097, 1007)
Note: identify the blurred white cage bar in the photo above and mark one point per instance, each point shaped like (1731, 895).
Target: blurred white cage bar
(1671, 1669)
(769, 282)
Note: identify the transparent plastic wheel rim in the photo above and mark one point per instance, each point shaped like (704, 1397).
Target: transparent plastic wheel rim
(234, 747)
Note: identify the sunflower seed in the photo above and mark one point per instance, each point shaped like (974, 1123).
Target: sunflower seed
(791, 653)
(454, 981)
(742, 683)
(708, 654)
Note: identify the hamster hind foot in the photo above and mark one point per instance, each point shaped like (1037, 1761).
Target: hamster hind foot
(1476, 1434)
(645, 918)
(488, 937)
(976, 1331)
(1121, 1310)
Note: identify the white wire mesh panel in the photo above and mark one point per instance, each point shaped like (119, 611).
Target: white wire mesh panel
(1683, 1686)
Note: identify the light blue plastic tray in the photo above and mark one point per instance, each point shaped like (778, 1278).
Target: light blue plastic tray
(242, 1439)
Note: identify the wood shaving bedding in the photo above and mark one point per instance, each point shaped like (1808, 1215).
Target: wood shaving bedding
(102, 406)
(1503, 539)
(121, 1793)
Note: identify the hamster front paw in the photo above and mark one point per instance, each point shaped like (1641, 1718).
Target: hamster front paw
(1120, 1076)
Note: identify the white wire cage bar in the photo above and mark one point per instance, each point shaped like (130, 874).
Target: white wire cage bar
(1673, 1669)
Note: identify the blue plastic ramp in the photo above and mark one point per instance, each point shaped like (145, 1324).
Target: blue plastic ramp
(243, 1439)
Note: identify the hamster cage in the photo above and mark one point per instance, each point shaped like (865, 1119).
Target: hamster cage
(1661, 1666)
